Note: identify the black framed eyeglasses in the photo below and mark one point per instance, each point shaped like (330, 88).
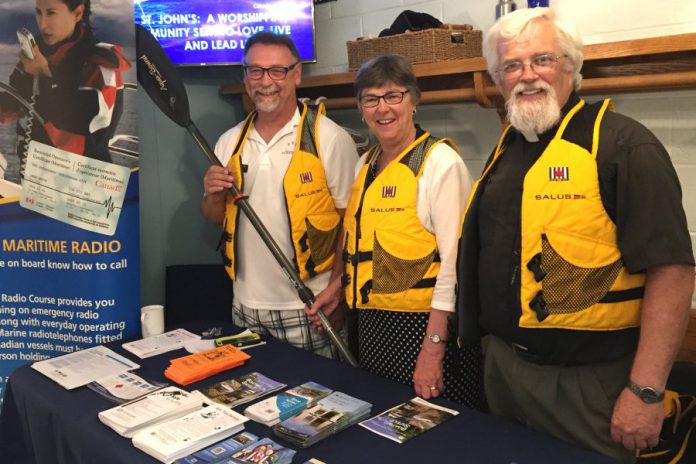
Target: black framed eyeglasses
(390, 98)
(277, 73)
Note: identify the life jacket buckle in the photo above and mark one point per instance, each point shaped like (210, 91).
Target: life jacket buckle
(534, 265)
(365, 291)
(539, 306)
(303, 243)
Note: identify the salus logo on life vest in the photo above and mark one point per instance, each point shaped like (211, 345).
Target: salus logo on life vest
(557, 173)
(389, 191)
(560, 196)
(306, 177)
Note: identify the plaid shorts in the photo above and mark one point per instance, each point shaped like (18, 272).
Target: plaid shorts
(287, 325)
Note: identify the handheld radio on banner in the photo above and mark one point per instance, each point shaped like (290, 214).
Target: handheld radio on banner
(26, 42)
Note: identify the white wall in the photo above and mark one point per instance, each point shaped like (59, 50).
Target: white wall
(671, 115)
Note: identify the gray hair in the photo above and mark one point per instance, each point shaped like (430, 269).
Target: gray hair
(387, 69)
(514, 27)
(270, 38)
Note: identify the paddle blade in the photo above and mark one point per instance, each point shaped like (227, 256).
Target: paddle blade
(160, 79)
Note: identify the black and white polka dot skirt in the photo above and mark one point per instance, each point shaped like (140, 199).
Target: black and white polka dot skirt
(389, 343)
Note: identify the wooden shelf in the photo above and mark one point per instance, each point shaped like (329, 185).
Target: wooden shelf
(653, 64)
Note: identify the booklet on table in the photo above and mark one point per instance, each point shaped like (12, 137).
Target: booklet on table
(219, 451)
(242, 389)
(82, 367)
(408, 420)
(286, 404)
(162, 343)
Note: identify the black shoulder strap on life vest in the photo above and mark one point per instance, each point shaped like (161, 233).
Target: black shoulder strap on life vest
(308, 142)
(243, 133)
(415, 158)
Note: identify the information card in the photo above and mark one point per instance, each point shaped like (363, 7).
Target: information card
(81, 191)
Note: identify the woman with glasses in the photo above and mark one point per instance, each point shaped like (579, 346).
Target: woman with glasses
(401, 231)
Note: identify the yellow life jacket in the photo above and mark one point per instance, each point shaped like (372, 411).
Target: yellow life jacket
(314, 220)
(391, 260)
(572, 274)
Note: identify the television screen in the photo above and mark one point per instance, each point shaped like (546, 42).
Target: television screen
(213, 32)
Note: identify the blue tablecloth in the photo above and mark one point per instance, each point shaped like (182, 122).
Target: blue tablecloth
(43, 423)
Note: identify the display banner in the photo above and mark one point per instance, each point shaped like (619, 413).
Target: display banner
(69, 213)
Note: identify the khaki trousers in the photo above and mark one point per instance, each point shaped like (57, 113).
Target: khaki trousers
(571, 403)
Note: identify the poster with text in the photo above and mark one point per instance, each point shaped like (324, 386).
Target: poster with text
(69, 213)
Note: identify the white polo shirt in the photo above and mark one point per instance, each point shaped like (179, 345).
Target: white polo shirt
(260, 282)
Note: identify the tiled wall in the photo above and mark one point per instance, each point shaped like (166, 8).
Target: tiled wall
(671, 115)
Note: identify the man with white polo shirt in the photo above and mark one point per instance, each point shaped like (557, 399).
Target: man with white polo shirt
(295, 166)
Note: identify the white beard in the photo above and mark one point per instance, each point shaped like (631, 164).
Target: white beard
(533, 117)
(265, 105)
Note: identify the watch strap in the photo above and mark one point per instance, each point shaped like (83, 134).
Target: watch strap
(648, 395)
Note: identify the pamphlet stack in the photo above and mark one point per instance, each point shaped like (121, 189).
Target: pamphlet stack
(198, 366)
(287, 404)
(330, 415)
(242, 389)
(180, 437)
(155, 407)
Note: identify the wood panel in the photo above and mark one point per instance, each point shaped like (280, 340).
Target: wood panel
(688, 350)
(652, 64)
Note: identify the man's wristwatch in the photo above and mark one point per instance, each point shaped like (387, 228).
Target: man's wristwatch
(647, 395)
(435, 338)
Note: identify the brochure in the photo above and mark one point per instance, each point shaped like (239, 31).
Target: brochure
(124, 387)
(158, 406)
(219, 451)
(158, 344)
(287, 404)
(242, 389)
(407, 420)
(172, 440)
(264, 451)
(82, 367)
(330, 415)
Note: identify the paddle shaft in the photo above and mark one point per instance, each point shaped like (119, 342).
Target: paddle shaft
(288, 268)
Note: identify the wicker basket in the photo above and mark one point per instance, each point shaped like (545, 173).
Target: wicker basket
(451, 42)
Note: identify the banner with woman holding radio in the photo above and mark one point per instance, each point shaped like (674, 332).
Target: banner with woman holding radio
(69, 225)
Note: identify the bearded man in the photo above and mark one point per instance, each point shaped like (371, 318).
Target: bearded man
(296, 166)
(575, 254)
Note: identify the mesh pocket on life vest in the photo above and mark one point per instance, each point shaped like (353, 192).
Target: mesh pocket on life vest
(392, 275)
(322, 243)
(568, 288)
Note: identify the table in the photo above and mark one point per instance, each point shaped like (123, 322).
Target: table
(43, 423)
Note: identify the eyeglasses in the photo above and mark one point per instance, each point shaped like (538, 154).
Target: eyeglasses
(277, 73)
(540, 64)
(390, 98)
